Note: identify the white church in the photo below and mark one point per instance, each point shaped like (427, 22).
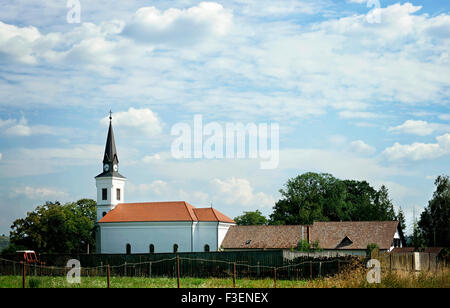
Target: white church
(150, 227)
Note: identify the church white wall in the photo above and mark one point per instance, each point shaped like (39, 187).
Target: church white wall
(222, 231)
(163, 235)
(189, 236)
(205, 233)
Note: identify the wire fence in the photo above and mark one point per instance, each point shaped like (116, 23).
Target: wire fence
(186, 267)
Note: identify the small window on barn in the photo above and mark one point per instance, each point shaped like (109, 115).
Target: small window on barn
(248, 242)
(104, 194)
(152, 248)
(128, 249)
(206, 248)
(175, 248)
(346, 241)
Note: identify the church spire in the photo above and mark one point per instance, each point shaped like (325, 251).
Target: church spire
(110, 156)
(110, 159)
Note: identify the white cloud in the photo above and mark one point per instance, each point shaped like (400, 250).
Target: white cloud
(419, 151)
(179, 27)
(18, 43)
(137, 120)
(151, 158)
(421, 128)
(40, 193)
(1, 156)
(21, 128)
(361, 147)
(34, 161)
(157, 187)
(445, 117)
(348, 114)
(239, 192)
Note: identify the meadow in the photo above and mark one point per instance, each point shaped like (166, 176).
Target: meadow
(352, 279)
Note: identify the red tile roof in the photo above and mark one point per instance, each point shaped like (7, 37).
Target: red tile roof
(162, 211)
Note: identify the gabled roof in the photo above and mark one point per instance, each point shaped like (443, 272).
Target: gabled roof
(261, 237)
(331, 234)
(162, 211)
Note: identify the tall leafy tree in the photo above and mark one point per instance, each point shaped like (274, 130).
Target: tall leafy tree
(435, 219)
(53, 227)
(313, 197)
(308, 197)
(251, 218)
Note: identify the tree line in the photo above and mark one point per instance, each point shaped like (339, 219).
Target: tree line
(70, 228)
(313, 197)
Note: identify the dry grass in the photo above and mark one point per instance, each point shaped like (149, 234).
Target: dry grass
(355, 277)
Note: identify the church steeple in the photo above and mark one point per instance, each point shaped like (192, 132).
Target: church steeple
(110, 183)
(110, 156)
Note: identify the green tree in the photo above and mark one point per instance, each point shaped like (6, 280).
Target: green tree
(53, 227)
(309, 197)
(321, 197)
(417, 238)
(384, 206)
(401, 220)
(251, 218)
(434, 221)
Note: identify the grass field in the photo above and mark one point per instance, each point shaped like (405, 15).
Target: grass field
(354, 279)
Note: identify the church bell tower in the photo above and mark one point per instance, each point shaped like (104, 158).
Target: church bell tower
(110, 183)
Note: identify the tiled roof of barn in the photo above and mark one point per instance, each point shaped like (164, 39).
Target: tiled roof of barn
(263, 237)
(361, 233)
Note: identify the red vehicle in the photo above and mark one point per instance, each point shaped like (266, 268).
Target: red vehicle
(28, 256)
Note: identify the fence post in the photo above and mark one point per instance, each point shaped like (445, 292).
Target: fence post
(390, 262)
(108, 276)
(150, 269)
(178, 271)
(125, 269)
(24, 275)
(274, 277)
(310, 270)
(339, 266)
(234, 275)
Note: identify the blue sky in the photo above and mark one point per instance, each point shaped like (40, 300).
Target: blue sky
(355, 98)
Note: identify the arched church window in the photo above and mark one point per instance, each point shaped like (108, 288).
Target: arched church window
(104, 194)
(128, 249)
(152, 248)
(206, 248)
(175, 248)
(104, 213)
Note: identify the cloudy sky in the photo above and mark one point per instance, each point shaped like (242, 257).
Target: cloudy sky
(358, 91)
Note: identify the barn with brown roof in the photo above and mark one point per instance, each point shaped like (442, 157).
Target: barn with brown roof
(351, 237)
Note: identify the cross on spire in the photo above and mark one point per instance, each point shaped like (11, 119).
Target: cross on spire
(110, 115)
